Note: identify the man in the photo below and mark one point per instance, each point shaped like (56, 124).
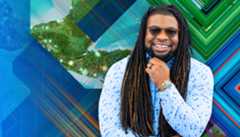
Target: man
(159, 90)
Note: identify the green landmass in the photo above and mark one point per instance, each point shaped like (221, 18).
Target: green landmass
(69, 44)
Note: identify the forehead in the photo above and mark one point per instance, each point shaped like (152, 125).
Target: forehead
(163, 21)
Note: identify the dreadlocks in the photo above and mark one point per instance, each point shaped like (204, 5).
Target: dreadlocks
(136, 106)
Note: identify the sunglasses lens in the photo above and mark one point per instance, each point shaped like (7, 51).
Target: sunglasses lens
(171, 32)
(155, 30)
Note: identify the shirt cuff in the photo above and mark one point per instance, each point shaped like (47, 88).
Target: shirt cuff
(171, 95)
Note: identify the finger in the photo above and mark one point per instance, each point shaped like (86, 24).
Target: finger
(157, 61)
(149, 65)
(153, 61)
(148, 70)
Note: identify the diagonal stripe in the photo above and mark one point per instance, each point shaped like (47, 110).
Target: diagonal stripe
(101, 17)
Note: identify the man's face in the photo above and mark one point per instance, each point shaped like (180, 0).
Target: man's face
(162, 35)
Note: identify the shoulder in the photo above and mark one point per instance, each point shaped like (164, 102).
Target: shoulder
(201, 80)
(199, 67)
(118, 67)
(113, 80)
(116, 72)
(200, 73)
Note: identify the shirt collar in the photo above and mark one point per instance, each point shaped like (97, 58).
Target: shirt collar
(169, 62)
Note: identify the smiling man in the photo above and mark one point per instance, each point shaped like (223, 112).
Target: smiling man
(159, 90)
(162, 35)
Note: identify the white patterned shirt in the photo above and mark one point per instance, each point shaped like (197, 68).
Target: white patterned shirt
(188, 117)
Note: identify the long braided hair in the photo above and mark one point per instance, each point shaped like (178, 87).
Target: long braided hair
(136, 105)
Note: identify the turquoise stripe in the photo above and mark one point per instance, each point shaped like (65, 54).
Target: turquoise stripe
(227, 67)
(39, 7)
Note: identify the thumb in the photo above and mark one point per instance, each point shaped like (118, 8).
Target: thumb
(147, 70)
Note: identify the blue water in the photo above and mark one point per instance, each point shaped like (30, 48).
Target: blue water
(38, 7)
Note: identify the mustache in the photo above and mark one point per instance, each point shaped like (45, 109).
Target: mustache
(154, 41)
(150, 54)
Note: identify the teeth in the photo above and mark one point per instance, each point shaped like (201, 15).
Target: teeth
(162, 46)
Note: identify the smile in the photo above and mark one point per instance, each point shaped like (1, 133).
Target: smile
(161, 47)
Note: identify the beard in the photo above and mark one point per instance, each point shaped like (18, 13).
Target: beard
(162, 56)
(165, 57)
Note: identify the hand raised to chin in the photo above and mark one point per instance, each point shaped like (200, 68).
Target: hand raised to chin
(158, 71)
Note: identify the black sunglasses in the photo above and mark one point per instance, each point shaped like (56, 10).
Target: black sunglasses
(171, 32)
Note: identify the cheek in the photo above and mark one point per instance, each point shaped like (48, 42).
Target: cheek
(175, 41)
(148, 39)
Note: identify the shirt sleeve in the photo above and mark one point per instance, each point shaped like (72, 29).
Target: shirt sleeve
(109, 106)
(189, 118)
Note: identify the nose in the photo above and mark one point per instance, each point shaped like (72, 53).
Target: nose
(161, 36)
